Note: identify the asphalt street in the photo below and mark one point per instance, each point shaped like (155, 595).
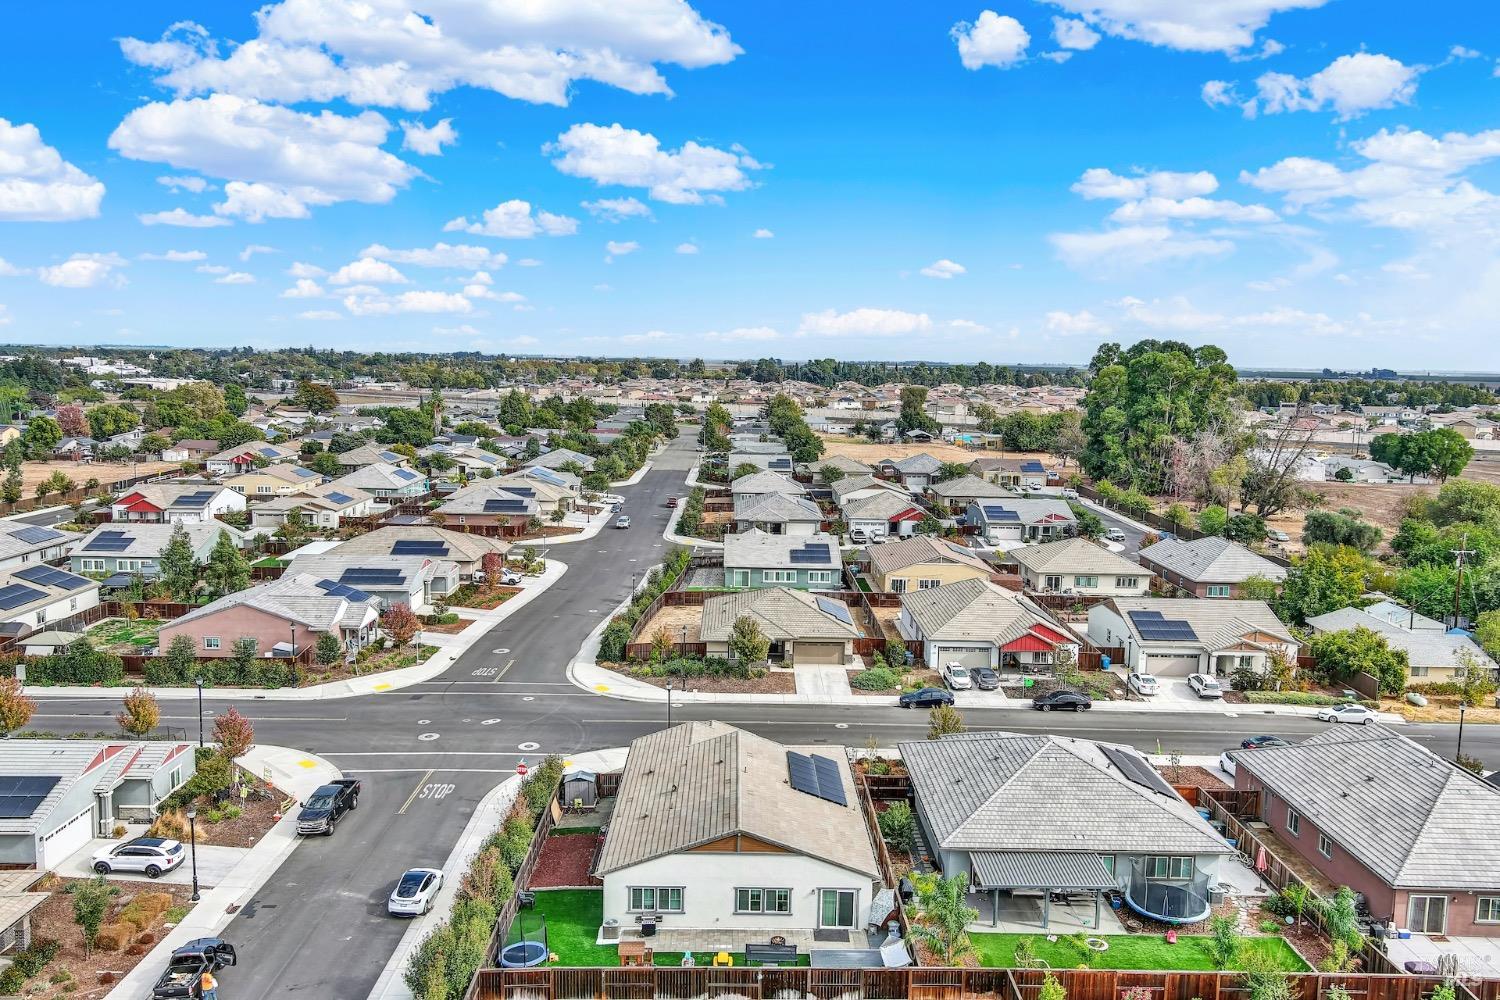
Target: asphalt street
(428, 753)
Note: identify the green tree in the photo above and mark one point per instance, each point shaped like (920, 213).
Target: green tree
(178, 569)
(1213, 519)
(235, 402)
(227, 570)
(325, 463)
(13, 488)
(90, 904)
(1259, 588)
(952, 470)
(1343, 527)
(831, 474)
(315, 397)
(1089, 524)
(1344, 653)
(944, 720)
(1327, 578)
(1223, 940)
(41, 436)
(329, 648)
(914, 413)
(943, 915)
(1247, 529)
(182, 658)
(747, 642)
(1487, 632)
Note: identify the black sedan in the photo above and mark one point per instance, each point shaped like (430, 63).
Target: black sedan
(1077, 701)
(985, 678)
(1256, 742)
(925, 698)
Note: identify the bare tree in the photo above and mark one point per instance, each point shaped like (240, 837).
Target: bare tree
(1269, 485)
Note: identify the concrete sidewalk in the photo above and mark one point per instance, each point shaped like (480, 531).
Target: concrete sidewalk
(670, 531)
(449, 650)
(301, 773)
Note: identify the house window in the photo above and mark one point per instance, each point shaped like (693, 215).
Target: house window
(1218, 590)
(1085, 581)
(1325, 846)
(72, 604)
(820, 576)
(1247, 662)
(651, 899)
(898, 585)
(779, 575)
(1418, 670)
(262, 489)
(1164, 866)
(1487, 910)
(176, 777)
(1108, 860)
(41, 617)
(210, 642)
(1293, 823)
(1052, 583)
(929, 584)
(762, 901)
(1127, 582)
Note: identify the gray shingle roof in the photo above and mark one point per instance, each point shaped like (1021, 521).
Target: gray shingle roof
(919, 550)
(963, 487)
(921, 464)
(472, 500)
(756, 549)
(380, 476)
(766, 482)
(1075, 555)
(781, 614)
(295, 597)
(972, 610)
(1011, 792)
(1424, 647)
(1030, 510)
(701, 781)
(462, 546)
(1411, 817)
(878, 506)
(1217, 623)
(1211, 560)
(777, 507)
(853, 484)
(559, 457)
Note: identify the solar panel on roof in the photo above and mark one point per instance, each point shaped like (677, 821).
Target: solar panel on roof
(342, 590)
(414, 547)
(516, 506)
(267, 452)
(830, 786)
(339, 497)
(374, 577)
(1137, 770)
(404, 474)
(521, 491)
(1032, 467)
(811, 554)
(304, 473)
(34, 535)
(996, 513)
(391, 456)
(49, 576)
(198, 499)
(17, 595)
(21, 794)
(801, 773)
(836, 609)
(815, 775)
(1155, 628)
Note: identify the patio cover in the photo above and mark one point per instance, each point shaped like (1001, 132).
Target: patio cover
(1040, 870)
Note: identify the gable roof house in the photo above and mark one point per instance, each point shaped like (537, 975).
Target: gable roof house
(1433, 654)
(977, 624)
(414, 580)
(370, 454)
(803, 627)
(385, 482)
(463, 549)
(549, 496)
(883, 513)
(283, 616)
(1174, 637)
(471, 462)
(128, 549)
(31, 597)
(778, 461)
(989, 804)
(1026, 519)
(921, 562)
(156, 503)
(1208, 567)
(915, 472)
(1078, 566)
(848, 466)
(1014, 473)
(759, 483)
(757, 559)
(1384, 815)
(325, 506)
(559, 457)
(717, 829)
(777, 514)
(960, 491)
(23, 544)
(242, 458)
(858, 487)
(189, 450)
(279, 479)
(484, 504)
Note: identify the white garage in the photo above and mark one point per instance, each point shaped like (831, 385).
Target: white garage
(1171, 664)
(967, 656)
(66, 839)
(831, 653)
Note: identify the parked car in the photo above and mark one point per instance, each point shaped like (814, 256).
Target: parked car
(956, 676)
(623, 521)
(1226, 763)
(611, 499)
(1143, 684)
(1114, 535)
(184, 973)
(925, 698)
(1256, 742)
(152, 855)
(985, 678)
(671, 501)
(1357, 714)
(1205, 686)
(1278, 536)
(321, 812)
(510, 578)
(1075, 701)
(859, 536)
(414, 892)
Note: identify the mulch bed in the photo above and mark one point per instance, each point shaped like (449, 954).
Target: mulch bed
(453, 628)
(564, 862)
(915, 678)
(775, 682)
(255, 819)
(486, 600)
(1197, 777)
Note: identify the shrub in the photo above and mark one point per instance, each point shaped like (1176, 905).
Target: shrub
(1223, 941)
(80, 663)
(898, 825)
(113, 937)
(876, 679)
(513, 850)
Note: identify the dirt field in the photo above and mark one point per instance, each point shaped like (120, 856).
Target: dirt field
(673, 619)
(1381, 504)
(80, 472)
(864, 451)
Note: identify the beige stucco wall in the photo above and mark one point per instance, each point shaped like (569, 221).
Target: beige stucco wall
(946, 572)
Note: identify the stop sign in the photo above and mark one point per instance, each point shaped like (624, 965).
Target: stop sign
(521, 768)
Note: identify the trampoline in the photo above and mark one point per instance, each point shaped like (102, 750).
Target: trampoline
(523, 954)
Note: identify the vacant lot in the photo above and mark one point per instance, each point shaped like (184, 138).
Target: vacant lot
(870, 452)
(81, 472)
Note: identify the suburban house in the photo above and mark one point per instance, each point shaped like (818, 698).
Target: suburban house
(1078, 566)
(1015, 473)
(245, 457)
(128, 549)
(64, 793)
(1406, 829)
(848, 466)
(548, 496)
(961, 491)
(189, 450)
(23, 544)
(922, 562)
(464, 550)
(1434, 654)
(171, 502)
(718, 829)
(915, 472)
(1027, 817)
(758, 559)
(385, 482)
(473, 462)
(777, 514)
(553, 477)
(8, 433)
(414, 580)
(33, 596)
(560, 457)
(1366, 470)
(324, 506)
(484, 504)
(1174, 637)
(759, 483)
(1212, 566)
(281, 479)
(803, 628)
(777, 461)
(283, 616)
(978, 624)
(852, 488)
(883, 514)
(1026, 519)
(370, 454)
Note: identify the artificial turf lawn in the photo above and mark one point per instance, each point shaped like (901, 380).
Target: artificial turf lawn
(1128, 951)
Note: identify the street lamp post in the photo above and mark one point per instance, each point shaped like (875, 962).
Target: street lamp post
(200, 711)
(669, 704)
(193, 838)
(1458, 754)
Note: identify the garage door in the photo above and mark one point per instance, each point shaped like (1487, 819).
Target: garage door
(66, 839)
(818, 652)
(1171, 665)
(963, 655)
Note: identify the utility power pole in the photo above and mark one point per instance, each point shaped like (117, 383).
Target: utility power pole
(1458, 584)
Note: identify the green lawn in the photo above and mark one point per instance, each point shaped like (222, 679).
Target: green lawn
(1127, 951)
(573, 919)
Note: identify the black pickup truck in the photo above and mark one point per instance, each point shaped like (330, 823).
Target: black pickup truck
(321, 812)
(184, 975)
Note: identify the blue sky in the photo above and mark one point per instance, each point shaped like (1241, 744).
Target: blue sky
(1304, 182)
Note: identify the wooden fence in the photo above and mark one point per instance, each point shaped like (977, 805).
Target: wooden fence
(79, 494)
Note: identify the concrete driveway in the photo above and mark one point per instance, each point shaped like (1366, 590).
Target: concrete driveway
(214, 863)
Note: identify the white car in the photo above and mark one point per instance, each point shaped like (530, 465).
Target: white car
(1114, 535)
(1205, 686)
(1143, 684)
(623, 521)
(151, 855)
(611, 499)
(414, 892)
(1357, 714)
(1069, 493)
(1226, 763)
(956, 675)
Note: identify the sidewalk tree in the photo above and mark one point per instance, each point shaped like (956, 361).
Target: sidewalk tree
(944, 720)
(15, 708)
(400, 623)
(234, 733)
(140, 714)
(178, 568)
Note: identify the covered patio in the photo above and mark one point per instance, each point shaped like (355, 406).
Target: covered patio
(1015, 889)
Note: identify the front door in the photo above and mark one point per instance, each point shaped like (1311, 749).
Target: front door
(837, 908)
(1052, 583)
(741, 578)
(1427, 914)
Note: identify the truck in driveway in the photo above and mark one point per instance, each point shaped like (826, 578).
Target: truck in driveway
(184, 974)
(321, 812)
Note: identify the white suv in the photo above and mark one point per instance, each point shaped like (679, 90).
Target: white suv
(151, 855)
(1205, 686)
(957, 677)
(1143, 684)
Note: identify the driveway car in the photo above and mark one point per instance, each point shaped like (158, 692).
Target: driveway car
(956, 676)
(1075, 701)
(1069, 494)
(1143, 684)
(1358, 714)
(1205, 686)
(151, 855)
(858, 536)
(623, 521)
(925, 698)
(414, 892)
(184, 973)
(1278, 536)
(1256, 742)
(985, 678)
(1226, 763)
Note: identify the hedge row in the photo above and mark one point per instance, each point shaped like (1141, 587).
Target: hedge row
(617, 633)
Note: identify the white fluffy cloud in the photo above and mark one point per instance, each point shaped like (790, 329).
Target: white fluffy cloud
(1166, 209)
(394, 53)
(235, 278)
(320, 314)
(990, 40)
(84, 270)
(687, 248)
(613, 154)
(1071, 34)
(1134, 245)
(617, 209)
(763, 234)
(620, 248)
(428, 140)
(1065, 324)
(182, 217)
(367, 271)
(278, 162)
(37, 184)
(252, 249)
(514, 220)
(462, 255)
(1349, 86)
(1178, 315)
(374, 304)
(1101, 182)
(194, 185)
(177, 256)
(305, 288)
(944, 269)
(1189, 25)
(865, 322)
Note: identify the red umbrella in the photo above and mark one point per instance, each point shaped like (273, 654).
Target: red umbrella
(1260, 859)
